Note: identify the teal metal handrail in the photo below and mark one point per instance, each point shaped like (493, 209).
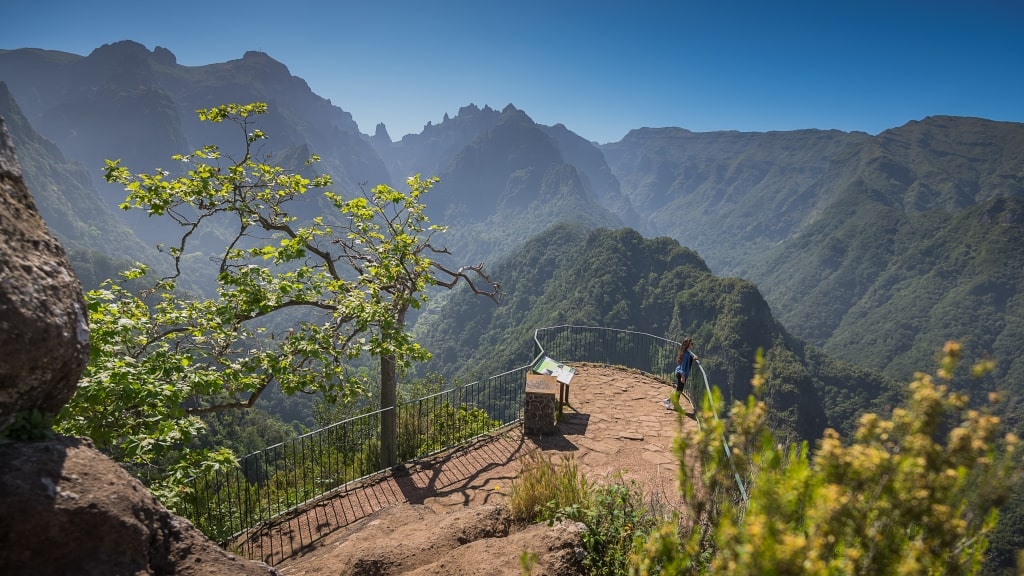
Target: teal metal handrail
(638, 350)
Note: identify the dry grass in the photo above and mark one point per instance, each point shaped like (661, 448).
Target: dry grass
(544, 488)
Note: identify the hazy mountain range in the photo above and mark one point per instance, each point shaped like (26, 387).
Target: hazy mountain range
(874, 248)
(850, 258)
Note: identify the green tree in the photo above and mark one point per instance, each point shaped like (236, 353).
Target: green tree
(387, 241)
(295, 303)
(914, 494)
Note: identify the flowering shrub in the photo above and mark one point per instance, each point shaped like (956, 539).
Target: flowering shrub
(914, 493)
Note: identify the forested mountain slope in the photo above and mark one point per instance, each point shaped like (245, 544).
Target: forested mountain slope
(618, 279)
(922, 243)
(868, 246)
(98, 243)
(876, 248)
(728, 195)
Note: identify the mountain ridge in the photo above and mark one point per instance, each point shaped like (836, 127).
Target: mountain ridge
(783, 208)
(867, 249)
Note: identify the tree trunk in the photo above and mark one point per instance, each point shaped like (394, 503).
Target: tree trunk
(388, 401)
(388, 420)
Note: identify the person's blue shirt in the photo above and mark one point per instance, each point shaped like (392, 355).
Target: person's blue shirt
(684, 366)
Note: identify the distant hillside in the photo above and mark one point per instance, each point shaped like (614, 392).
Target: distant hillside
(431, 151)
(98, 244)
(728, 195)
(867, 246)
(921, 243)
(124, 101)
(876, 248)
(618, 279)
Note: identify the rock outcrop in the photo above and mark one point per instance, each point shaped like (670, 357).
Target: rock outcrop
(415, 539)
(65, 508)
(44, 336)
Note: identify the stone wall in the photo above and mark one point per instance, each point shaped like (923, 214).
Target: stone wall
(541, 404)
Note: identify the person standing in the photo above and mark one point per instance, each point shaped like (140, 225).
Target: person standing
(684, 362)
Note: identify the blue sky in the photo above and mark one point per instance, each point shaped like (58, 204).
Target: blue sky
(601, 68)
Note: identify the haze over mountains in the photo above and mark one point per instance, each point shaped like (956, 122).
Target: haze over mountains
(849, 258)
(875, 248)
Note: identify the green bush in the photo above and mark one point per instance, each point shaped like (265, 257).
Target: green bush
(915, 493)
(616, 520)
(614, 515)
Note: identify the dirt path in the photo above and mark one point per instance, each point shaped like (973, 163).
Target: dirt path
(615, 426)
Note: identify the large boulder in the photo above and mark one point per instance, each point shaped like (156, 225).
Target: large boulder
(44, 337)
(66, 509)
(470, 541)
(546, 550)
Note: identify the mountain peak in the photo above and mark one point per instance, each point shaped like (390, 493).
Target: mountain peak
(256, 55)
(164, 56)
(381, 134)
(266, 62)
(120, 48)
(512, 114)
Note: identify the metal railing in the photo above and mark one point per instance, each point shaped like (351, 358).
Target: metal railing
(271, 483)
(232, 505)
(640, 351)
(637, 350)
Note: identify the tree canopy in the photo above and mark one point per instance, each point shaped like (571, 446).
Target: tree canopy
(295, 301)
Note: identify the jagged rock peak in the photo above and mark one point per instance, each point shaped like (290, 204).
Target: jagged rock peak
(266, 61)
(164, 56)
(122, 60)
(122, 47)
(256, 55)
(472, 111)
(511, 113)
(381, 133)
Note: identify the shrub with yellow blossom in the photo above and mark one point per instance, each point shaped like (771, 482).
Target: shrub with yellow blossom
(916, 493)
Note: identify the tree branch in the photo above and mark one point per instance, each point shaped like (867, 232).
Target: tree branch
(253, 397)
(493, 292)
(325, 256)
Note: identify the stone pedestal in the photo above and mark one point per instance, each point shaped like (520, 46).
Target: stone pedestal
(542, 392)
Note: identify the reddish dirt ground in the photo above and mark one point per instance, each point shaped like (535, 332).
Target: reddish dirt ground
(615, 427)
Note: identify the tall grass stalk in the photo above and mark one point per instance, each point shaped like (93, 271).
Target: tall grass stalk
(544, 489)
